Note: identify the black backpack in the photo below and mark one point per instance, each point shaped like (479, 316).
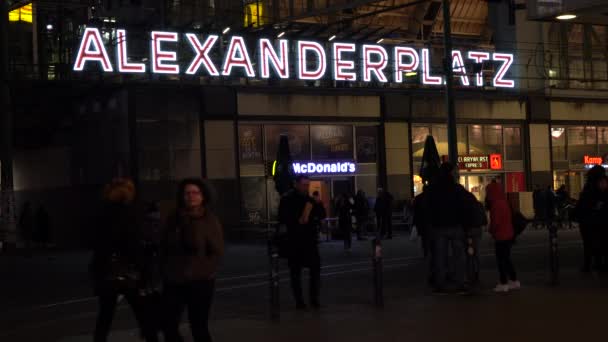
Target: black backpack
(519, 221)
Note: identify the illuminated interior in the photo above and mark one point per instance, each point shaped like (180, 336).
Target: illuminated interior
(21, 14)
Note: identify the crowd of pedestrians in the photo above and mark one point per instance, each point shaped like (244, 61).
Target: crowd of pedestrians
(450, 220)
(165, 267)
(160, 271)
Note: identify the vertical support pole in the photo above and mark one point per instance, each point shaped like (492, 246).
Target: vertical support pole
(377, 269)
(8, 231)
(449, 80)
(274, 279)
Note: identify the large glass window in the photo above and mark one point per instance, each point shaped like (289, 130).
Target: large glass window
(299, 140)
(419, 134)
(513, 149)
(367, 144)
(485, 139)
(602, 137)
(558, 143)
(332, 142)
(581, 141)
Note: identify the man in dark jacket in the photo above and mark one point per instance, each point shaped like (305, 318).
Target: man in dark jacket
(294, 212)
(446, 209)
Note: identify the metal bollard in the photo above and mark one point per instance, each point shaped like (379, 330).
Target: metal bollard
(377, 269)
(274, 280)
(553, 255)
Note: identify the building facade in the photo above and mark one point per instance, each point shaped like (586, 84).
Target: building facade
(76, 129)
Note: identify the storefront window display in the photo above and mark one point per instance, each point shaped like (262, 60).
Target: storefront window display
(483, 143)
(313, 144)
(572, 147)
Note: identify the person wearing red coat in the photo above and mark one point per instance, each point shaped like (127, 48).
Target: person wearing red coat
(501, 229)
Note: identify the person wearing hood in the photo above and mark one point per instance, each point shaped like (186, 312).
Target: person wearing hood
(501, 229)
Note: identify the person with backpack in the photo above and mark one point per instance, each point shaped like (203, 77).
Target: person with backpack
(501, 229)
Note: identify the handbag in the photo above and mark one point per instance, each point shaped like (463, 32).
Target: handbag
(122, 276)
(414, 234)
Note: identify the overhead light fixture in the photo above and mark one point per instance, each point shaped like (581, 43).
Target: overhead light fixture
(380, 40)
(567, 16)
(281, 34)
(332, 38)
(226, 30)
(557, 132)
(49, 27)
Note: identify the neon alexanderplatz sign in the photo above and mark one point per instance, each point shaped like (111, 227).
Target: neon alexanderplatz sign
(347, 61)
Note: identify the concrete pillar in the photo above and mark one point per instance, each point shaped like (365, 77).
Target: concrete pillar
(399, 179)
(221, 169)
(540, 155)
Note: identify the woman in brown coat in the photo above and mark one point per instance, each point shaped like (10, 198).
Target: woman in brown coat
(193, 245)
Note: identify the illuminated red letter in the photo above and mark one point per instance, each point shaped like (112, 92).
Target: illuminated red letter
(401, 67)
(479, 57)
(123, 60)
(341, 65)
(237, 56)
(507, 60)
(303, 48)
(202, 54)
(377, 67)
(426, 70)
(159, 56)
(458, 67)
(269, 56)
(92, 49)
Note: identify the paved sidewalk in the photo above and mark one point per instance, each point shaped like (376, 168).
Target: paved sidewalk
(574, 311)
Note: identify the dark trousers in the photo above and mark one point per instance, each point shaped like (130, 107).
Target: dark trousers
(385, 225)
(361, 226)
(443, 239)
(144, 315)
(506, 269)
(588, 247)
(346, 230)
(196, 297)
(295, 271)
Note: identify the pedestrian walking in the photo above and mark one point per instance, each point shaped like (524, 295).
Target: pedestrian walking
(540, 207)
(361, 210)
(445, 209)
(591, 214)
(501, 229)
(303, 251)
(345, 222)
(423, 228)
(192, 246)
(114, 268)
(384, 213)
(152, 278)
